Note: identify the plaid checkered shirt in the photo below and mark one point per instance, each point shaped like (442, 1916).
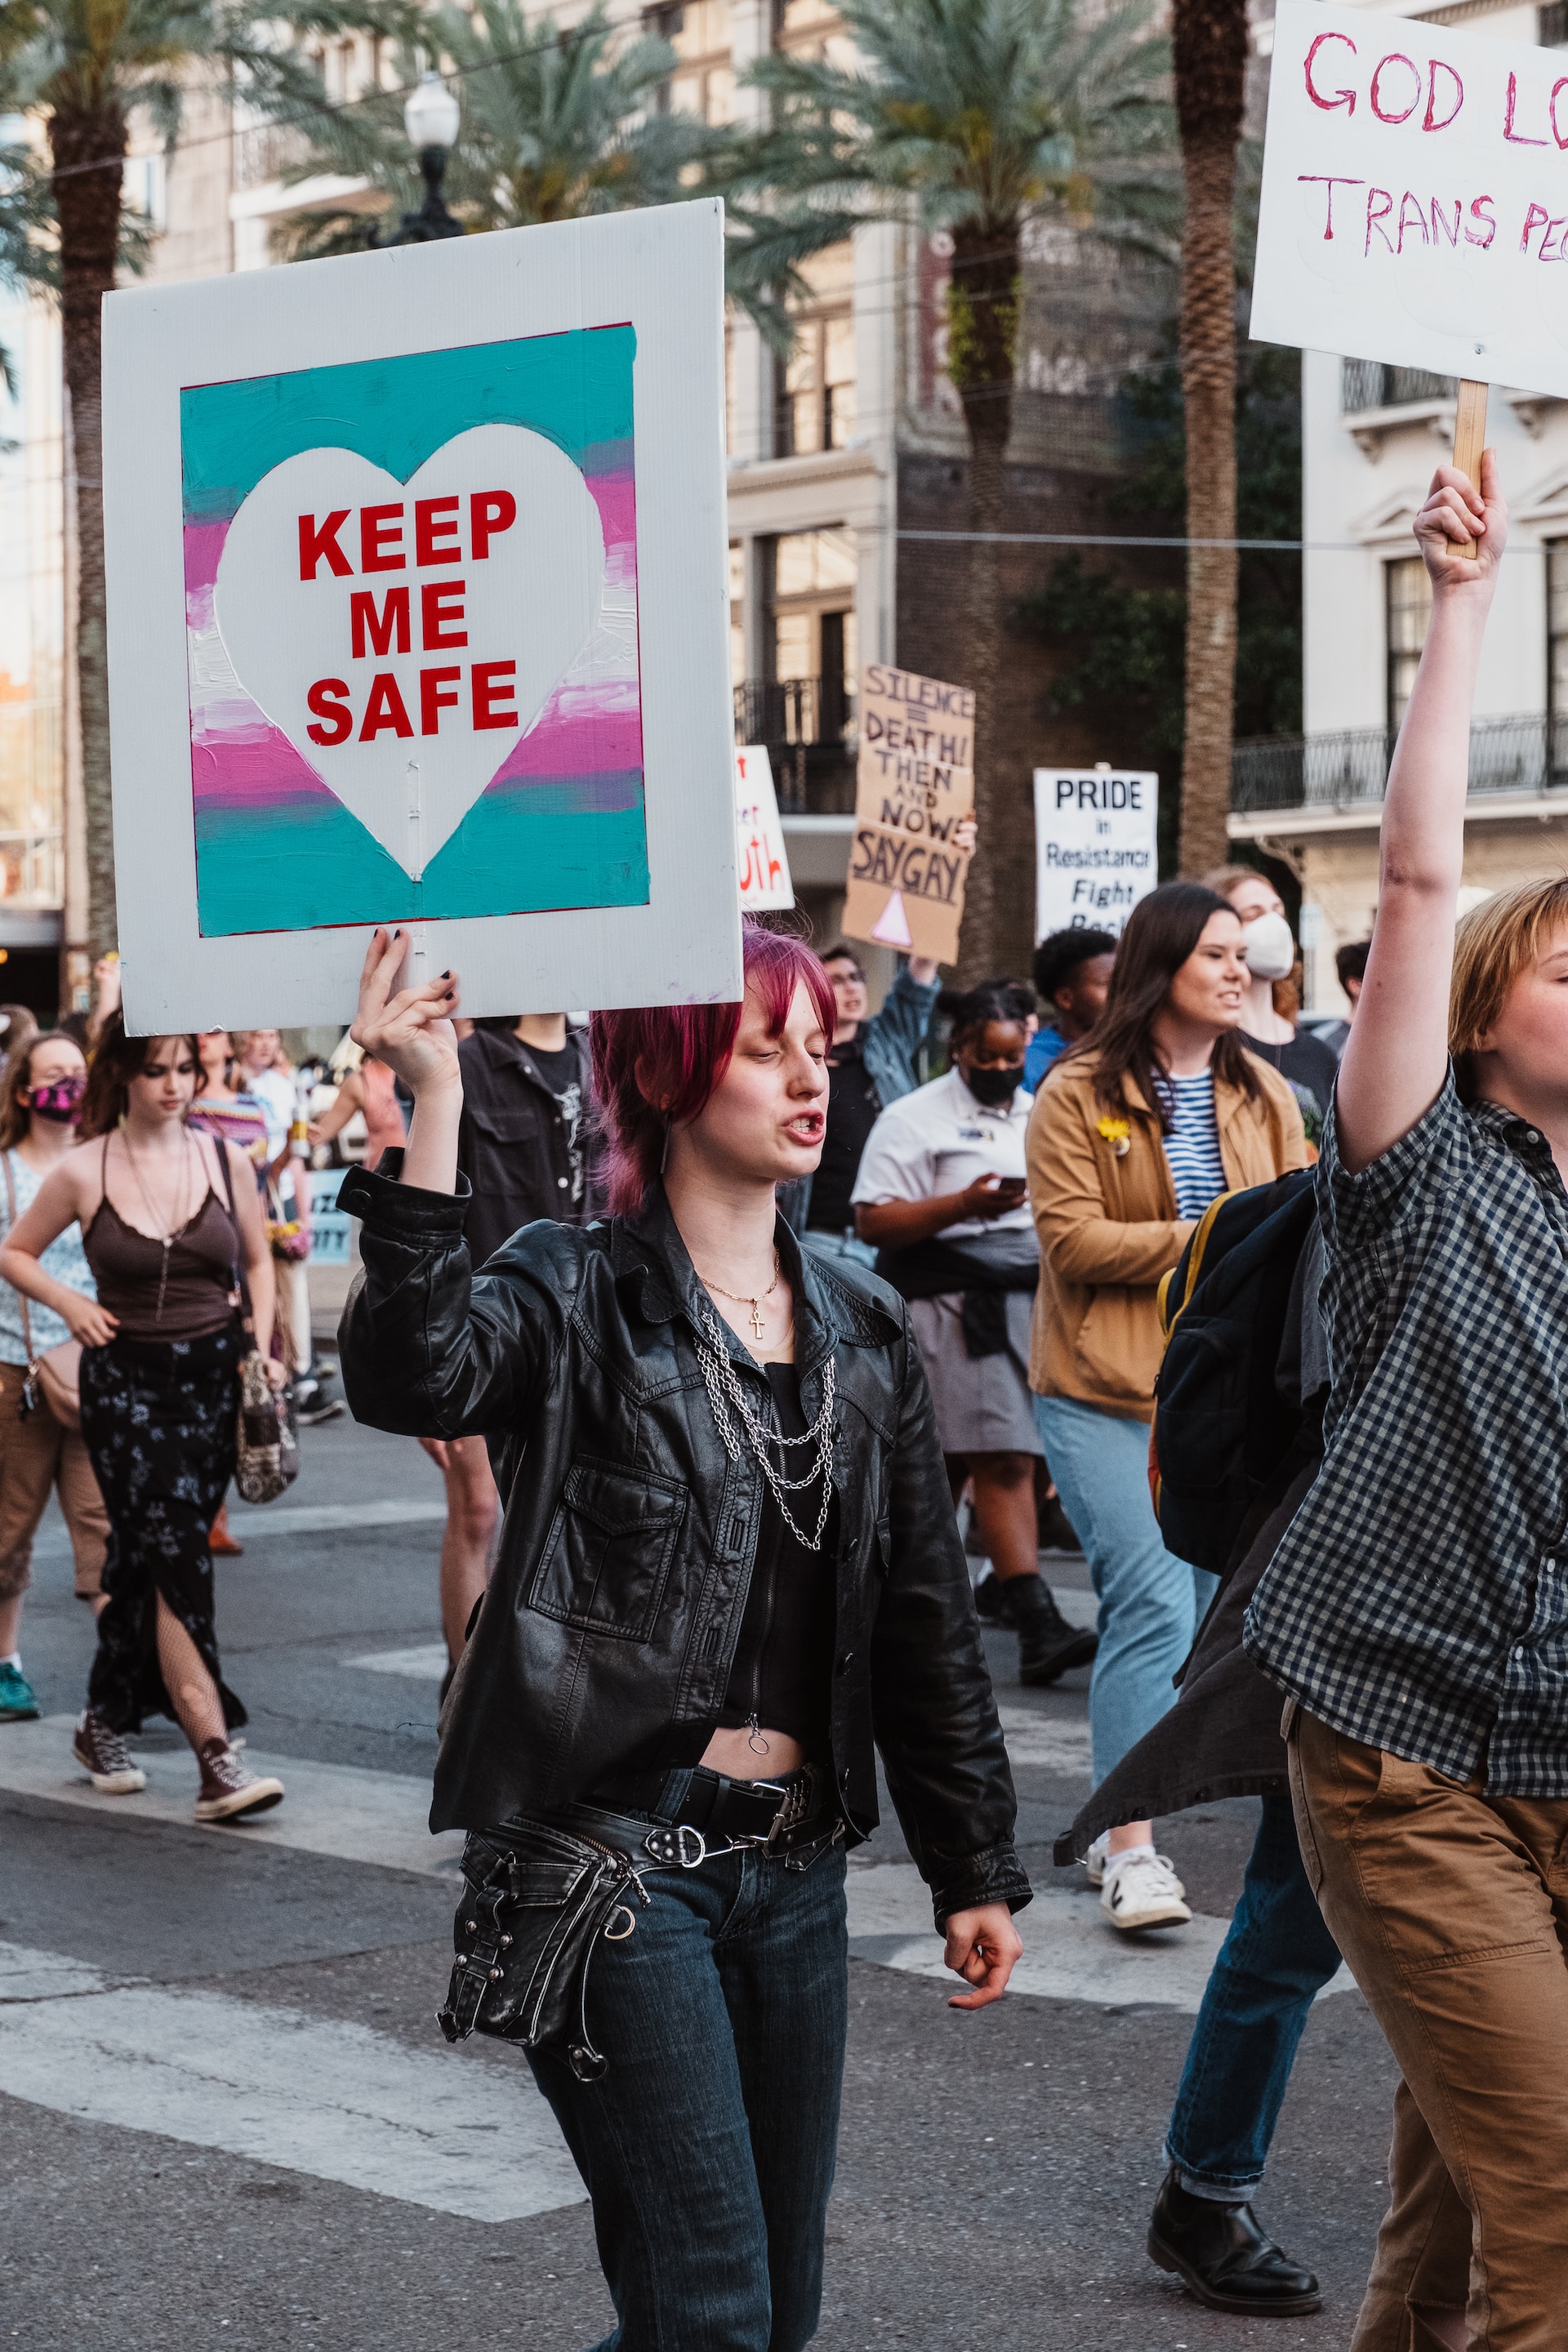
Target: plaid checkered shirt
(1419, 1598)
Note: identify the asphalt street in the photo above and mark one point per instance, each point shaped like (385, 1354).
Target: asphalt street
(227, 2118)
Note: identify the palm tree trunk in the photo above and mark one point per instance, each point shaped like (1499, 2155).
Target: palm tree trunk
(998, 917)
(1211, 66)
(88, 148)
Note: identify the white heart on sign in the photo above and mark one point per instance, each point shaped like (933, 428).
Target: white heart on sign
(533, 599)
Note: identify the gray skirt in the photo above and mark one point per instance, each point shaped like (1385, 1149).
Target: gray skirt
(983, 1403)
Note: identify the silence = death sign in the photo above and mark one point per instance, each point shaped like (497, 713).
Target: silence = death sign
(1095, 848)
(1414, 203)
(416, 567)
(914, 789)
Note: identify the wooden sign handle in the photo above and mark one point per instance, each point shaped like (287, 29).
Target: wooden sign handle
(1469, 439)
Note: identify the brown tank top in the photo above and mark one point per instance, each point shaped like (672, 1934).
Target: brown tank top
(129, 1267)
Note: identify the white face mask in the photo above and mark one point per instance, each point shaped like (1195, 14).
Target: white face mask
(1269, 948)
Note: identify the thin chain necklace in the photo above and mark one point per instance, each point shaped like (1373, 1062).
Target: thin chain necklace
(729, 1398)
(166, 1240)
(739, 1299)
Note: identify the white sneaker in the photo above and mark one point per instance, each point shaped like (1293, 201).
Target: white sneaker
(1143, 1891)
(1095, 1860)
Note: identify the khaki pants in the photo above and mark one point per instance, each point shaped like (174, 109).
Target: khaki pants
(1451, 1907)
(36, 1454)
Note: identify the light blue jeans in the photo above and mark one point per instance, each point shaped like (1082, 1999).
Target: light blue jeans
(834, 1244)
(1149, 1601)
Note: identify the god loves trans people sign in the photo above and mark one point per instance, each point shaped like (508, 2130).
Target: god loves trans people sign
(1414, 203)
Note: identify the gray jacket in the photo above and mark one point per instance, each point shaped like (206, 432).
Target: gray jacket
(889, 1042)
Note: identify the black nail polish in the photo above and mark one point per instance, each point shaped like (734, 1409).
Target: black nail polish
(447, 973)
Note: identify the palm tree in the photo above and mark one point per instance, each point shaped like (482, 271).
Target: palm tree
(557, 122)
(89, 67)
(980, 114)
(1211, 69)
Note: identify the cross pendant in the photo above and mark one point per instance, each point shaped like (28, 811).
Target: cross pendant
(757, 1325)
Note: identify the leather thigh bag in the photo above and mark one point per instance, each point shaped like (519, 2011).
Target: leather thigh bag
(537, 1899)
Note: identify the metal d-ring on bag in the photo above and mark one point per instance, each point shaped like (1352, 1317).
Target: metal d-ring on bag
(537, 1899)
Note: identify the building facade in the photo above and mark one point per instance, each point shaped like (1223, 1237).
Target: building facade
(857, 437)
(1370, 437)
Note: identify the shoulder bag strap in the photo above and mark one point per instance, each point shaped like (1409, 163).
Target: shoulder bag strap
(221, 1148)
(10, 1228)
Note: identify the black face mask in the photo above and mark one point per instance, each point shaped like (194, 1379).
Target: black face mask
(994, 1086)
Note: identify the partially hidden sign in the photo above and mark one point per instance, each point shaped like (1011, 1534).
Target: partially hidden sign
(761, 856)
(1414, 203)
(915, 788)
(1095, 847)
(411, 559)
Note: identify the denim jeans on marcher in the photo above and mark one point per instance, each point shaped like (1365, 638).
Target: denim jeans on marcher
(1275, 1959)
(1149, 1601)
(829, 1244)
(708, 2147)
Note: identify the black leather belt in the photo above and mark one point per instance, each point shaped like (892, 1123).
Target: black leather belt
(776, 1813)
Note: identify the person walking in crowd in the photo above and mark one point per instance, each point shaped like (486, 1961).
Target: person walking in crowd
(166, 1216)
(870, 1064)
(1350, 963)
(371, 1090)
(1072, 977)
(1413, 1612)
(1131, 1137)
(941, 1196)
(39, 1098)
(733, 1545)
(528, 1147)
(1269, 1019)
(286, 1181)
(1221, 1738)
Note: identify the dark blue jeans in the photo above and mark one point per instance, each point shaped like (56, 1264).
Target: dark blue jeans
(1277, 1957)
(708, 2147)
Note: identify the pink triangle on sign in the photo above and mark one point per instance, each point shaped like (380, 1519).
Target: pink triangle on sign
(891, 926)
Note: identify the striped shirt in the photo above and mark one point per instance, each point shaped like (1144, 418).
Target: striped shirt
(1192, 1146)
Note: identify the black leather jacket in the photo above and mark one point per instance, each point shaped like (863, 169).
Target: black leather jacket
(605, 1642)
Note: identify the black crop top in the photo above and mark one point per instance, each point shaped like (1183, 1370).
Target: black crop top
(784, 1661)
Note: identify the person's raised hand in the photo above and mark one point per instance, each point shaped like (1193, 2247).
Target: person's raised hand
(984, 1948)
(1455, 512)
(410, 1029)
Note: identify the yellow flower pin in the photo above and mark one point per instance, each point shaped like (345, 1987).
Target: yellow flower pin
(1117, 1133)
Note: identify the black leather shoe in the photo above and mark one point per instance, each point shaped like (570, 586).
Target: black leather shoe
(1224, 2259)
(989, 1605)
(1048, 1645)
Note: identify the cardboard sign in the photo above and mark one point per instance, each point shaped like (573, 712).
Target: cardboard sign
(761, 859)
(914, 787)
(1414, 203)
(417, 615)
(1095, 848)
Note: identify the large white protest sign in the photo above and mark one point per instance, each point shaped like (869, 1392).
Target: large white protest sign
(1095, 853)
(762, 853)
(1415, 205)
(418, 614)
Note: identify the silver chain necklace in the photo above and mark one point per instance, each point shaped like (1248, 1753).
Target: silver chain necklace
(726, 1396)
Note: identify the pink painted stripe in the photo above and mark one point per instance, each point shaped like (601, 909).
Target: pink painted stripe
(203, 546)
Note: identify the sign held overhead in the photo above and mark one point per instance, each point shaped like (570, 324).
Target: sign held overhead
(914, 789)
(1414, 203)
(1095, 848)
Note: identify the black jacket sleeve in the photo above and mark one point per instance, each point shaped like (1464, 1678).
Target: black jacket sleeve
(428, 1348)
(933, 1711)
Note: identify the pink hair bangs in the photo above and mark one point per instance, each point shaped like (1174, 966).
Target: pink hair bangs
(676, 1054)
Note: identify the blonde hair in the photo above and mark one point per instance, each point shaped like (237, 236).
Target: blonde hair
(1223, 878)
(1495, 943)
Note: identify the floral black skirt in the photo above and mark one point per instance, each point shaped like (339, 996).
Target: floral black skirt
(158, 1417)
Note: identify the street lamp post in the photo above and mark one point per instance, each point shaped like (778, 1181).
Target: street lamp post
(430, 119)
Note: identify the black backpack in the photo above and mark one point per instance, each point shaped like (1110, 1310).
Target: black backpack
(1221, 1426)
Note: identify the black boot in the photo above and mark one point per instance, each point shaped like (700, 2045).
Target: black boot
(1225, 2258)
(1048, 1645)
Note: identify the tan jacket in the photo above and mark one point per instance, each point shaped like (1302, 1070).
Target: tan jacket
(1108, 1227)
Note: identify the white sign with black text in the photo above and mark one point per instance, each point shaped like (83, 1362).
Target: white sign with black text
(1094, 846)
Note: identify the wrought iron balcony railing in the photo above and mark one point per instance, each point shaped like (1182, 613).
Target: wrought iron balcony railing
(1368, 383)
(1527, 753)
(808, 726)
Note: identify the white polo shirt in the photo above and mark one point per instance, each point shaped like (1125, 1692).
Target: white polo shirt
(939, 1140)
